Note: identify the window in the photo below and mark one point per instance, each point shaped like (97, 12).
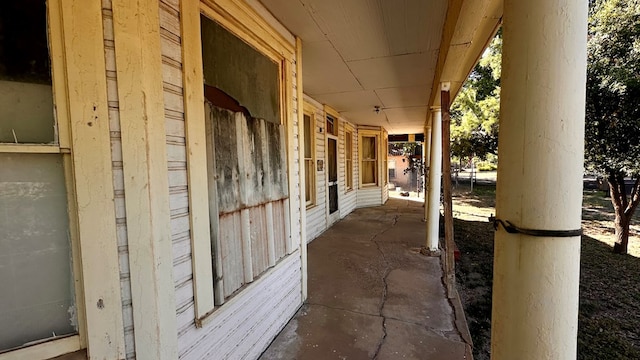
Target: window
(309, 161)
(369, 160)
(332, 125)
(38, 300)
(392, 169)
(246, 159)
(348, 144)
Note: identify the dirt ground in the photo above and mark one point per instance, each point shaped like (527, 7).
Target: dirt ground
(609, 315)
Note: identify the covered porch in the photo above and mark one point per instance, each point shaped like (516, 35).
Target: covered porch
(373, 295)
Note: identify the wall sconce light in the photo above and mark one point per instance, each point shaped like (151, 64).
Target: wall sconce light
(320, 129)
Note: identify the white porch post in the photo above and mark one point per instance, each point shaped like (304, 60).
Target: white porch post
(435, 172)
(426, 154)
(536, 278)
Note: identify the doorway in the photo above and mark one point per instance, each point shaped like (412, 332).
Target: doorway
(332, 179)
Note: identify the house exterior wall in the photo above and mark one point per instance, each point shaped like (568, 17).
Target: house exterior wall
(316, 215)
(356, 197)
(316, 219)
(243, 326)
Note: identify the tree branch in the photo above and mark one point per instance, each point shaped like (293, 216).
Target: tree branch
(623, 190)
(612, 179)
(635, 198)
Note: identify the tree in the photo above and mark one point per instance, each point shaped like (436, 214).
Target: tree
(612, 126)
(476, 110)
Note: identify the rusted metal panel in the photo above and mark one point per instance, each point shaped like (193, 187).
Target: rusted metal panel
(231, 252)
(259, 243)
(279, 229)
(277, 161)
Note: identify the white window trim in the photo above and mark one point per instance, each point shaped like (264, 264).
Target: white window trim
(308, 110)
(348, 133)
(369, 134)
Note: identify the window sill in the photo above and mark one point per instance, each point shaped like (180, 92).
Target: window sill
(78, 355)
(59, 349)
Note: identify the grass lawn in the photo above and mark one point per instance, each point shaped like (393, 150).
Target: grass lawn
(609, 315)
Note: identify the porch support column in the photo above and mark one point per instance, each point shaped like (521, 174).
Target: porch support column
(536, 278)
(426, 154)
(435, 172)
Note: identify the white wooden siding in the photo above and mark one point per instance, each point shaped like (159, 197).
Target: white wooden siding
(118, 178)
(245, 326)
(369, 197)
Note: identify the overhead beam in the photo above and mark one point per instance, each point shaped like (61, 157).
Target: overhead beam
(468, 25)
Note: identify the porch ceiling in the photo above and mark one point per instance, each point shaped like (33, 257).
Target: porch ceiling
(359, 54)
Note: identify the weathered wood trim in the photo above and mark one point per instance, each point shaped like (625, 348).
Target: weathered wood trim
(31, 148)
(136, 28)
(287, 111)
(58, 71)
(85, 87)
(448, 29)
(237, 16)
(302, 106)
(196, 144)
(333, 112)
(45, 350)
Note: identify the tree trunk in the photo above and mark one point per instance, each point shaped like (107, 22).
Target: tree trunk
(624, 209)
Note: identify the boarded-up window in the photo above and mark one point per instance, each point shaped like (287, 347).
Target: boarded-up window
(240, 71)
(37, 300)
(246, 161)
(309, 169)
(369, 163)
(348, 144)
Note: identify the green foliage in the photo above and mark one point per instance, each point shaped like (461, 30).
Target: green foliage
(486, 166)
(612, 130)
(476, 110)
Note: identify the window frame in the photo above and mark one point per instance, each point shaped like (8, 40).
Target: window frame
(394, 169)
(376, 138)
(310, 178)
(242, 21)
(348, 158)
(92, 226)
(61, 145)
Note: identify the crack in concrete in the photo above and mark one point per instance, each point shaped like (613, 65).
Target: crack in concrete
(385, 288)
(342, 309)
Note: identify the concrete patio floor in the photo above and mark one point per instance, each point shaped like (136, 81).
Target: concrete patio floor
(372, 295)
